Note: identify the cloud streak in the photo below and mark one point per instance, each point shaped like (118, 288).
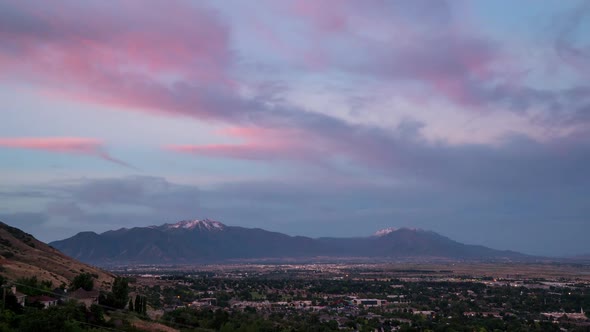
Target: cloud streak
(68, 145)
(577, 56)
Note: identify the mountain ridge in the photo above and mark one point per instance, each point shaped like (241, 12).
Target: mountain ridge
(209, 241)
(21, 255)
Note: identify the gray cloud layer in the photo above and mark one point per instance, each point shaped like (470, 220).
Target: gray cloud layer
(543, 221)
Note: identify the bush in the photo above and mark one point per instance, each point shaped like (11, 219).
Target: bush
(8, 254)
(84, 281)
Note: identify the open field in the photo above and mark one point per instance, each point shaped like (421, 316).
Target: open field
(537, 271)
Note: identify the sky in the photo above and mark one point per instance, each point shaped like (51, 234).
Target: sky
(316, 118)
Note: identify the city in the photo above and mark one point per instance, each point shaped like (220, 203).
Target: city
(371, 297)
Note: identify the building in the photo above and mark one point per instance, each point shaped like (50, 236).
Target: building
(566, 315)
(60, 293)
(46, 301)
(426, 313)
(208, 301)
(83, 296)
(369, 302)
(20, 297)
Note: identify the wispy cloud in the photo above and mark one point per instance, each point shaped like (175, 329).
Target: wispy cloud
(70, 145)
(577, 56)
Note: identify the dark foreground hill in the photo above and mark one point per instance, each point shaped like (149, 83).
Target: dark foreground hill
(206, 241)
(21, 255)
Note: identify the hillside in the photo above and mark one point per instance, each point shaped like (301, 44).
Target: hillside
(21, 255)
(207, 241)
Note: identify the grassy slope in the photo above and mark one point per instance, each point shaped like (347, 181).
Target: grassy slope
(21, 255)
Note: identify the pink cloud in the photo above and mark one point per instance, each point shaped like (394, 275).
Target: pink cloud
(54, 144)
(327, 16)
(257, 143)
(418, 42)
(131, 56)
(71, 145)
(260, 133)
(127, 54)
(295, 144)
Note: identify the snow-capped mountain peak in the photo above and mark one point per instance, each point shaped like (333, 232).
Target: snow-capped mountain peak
(204, 224)
(385, 231)
(389, 230)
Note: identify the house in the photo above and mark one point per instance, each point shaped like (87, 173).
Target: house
(563, 315)
(60, 293)
(46, 301)
(300, 304)
(209, 301)
(83, 296)
(369, 302)
(426, 313)
(494, 314)
(20, 297)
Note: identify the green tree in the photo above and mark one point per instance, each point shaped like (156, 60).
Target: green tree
(96, 315)
(11, 303)
(118, 297)
(138, 304)
(55, 318)
(33, 286)
(84, 281)
(120, 292)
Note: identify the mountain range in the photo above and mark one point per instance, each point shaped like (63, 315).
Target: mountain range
(208, 241)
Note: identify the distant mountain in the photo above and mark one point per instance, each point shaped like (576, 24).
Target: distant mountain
(21, 255)
(206, 241)
(579, 258)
